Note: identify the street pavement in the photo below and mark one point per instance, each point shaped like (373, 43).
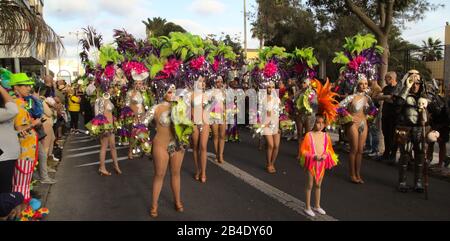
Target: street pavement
(239, 190)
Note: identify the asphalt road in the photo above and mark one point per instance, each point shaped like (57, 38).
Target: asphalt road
(239, 190)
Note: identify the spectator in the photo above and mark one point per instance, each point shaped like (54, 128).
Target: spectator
(61, 120)
(388, 117)
(74, 109)
(28, 138)
(45, 136)
(372, 141)
(11, 205)
(86, 109)
(9, 143)
(61, 91)
(440, 123)
(49, 89)
(50, 116)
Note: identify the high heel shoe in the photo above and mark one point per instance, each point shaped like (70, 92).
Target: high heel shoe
(271, 169)
(117, 169)
(354, 180)
(203, 180)
(104, 173)
(179, 207)
(197, 177)
(220, 160)
(360, 181)
(154, 212)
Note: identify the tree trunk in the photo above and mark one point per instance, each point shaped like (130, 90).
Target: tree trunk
(383, 41)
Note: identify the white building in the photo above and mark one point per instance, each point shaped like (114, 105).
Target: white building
(33, 59)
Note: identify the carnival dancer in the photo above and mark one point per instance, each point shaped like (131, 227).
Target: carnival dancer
(136, 102)
(306, 105)
(102, 126)
(286, 122)
(302, 67)
(271, 128)
(232, 132)
(201, 129)
(289, 106)
(169, 145)
(413, 130)
(317, 155)
(217, 118)
(317, 152)
(356, 109)
(360, 59)
(269, 103)
(28, 138)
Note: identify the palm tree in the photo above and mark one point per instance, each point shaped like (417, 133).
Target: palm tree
(154, 26)
(432, 50)
(21, 29)
(160, 27)
(91, 44)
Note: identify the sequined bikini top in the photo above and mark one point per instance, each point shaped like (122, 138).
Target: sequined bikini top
(353, 107)
(102, 105)
(359, 105)
(164, 118)
(135, 99)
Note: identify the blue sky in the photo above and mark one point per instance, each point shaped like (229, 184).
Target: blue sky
(433, 25)
(200, 17)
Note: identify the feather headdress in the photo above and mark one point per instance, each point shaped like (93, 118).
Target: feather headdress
(327, 104)
(360, 57)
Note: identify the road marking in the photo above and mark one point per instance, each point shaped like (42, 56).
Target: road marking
(282, 197)
(81, 141)
(90, 147)
(80, 137)
(277, 194)
(83, 148)
(106, 161)
(92, 152)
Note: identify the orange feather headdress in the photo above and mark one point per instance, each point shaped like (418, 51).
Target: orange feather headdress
(327, 104)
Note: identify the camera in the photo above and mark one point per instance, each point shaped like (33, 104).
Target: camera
(40, 132)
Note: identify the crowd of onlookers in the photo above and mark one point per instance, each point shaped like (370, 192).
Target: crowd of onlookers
(34, 115)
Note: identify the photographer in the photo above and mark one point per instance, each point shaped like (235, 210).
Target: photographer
(9, 143)
(45, 134)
